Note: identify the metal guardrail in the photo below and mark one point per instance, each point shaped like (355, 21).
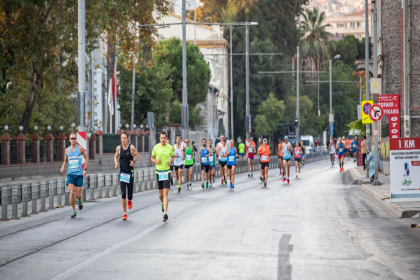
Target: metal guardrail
(107, 185)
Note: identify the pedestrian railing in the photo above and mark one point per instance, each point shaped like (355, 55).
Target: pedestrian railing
(51, 194)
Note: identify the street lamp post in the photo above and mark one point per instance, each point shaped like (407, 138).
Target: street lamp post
(331, 120)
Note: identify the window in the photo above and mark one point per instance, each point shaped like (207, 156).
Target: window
(359, 24)
(341, 25)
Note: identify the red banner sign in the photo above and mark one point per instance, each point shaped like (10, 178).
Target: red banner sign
(390, 104)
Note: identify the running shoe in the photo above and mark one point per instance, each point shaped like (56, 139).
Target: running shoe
(225, 182)
(130, 204)
(125, 217)
(179, 189)
(202, 185)
(230, 185)
(296, 175)
(211, 186)
(261, 178)
(163, 208)
(252, 175)
(288, 182)
(80, 205)
(207, 185)
(249, 175)
(284, 180)
(222, 181)
(165, 217)
(265, 184)
(342, 168)
(73, 215)
(233, 186)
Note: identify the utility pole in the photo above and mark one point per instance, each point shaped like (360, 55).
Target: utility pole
(331, 123)
(184, 111)
(132, 99)
(247, 112)
(231, 86)
(81, 67)
(319, 113)
(360, 91)
(375, 75)
(406, 74)
(297, 93)
(195, 20)
(367, 76)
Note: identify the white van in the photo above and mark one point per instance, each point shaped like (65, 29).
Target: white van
(308, 141)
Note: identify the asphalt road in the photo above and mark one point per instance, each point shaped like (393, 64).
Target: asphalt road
(318, 227)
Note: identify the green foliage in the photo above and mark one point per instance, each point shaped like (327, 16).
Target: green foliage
(272, 110)
(357, 124)
(153, 92)
(261, 125)
(346, 48)
(198, 72)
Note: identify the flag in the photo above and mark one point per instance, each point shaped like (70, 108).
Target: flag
(110, 98)
(115, 82)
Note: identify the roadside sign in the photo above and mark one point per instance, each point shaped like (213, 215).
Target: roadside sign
(390, 104)
(365, 111)
(331, 117)
(375, 113)
(404, 155)
(81, 141)
(249, 124)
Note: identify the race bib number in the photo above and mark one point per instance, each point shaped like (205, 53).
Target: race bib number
(297, 152)
(250, 150)
(125, 177)
(163, 176)
(340, 150)
(204, 160)
(231, 158)
(188, 157)
(223, 158)
(74, 163)
(264, 157)
(178, 160)
(211, 158)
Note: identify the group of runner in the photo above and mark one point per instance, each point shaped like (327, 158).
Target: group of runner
(342, 148)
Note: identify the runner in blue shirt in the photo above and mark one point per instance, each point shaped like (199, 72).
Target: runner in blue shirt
(354, 145)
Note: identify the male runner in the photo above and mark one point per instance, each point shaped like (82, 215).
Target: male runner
(354, 148)
(280, 154)
(298, 156)
(264, 151)
(163, 156)
(303, 147)
(223, 152)
(287, 156)
(241, 148)
(189, 163)
(250, 154)
(124, 158)
(179, 155)
(205, 153)
(75, 174)
(340, 153)
(347, 144)
(331, 148)
(260, 150)
(212, 160)
(231, 164)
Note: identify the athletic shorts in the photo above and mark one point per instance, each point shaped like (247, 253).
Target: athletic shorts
(212, 167)
(241, 154)
(264, 165)
(345, 150)
(303, 155)
(178, 167)
(188, 166)
(340, 156)
(204, 167)
(223, 163)
(332, 154)
(172, 168)
(280, 157)
(286, 158)
(127, 186)
(230, 166)
(76, 180)
(163, 184)
(298, 159)
(251, 156)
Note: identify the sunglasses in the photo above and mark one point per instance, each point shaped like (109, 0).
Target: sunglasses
(72, 138)
(187, 141)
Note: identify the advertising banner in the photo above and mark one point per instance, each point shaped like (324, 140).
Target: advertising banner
(404, 156)
(390, 104)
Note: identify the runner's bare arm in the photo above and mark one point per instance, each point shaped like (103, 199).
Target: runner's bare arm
(135, 154)
(83, 152)
(65, 160)
(210, 153)
(117, 152)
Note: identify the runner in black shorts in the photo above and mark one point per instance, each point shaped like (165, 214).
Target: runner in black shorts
(124, 158)
(163, 156)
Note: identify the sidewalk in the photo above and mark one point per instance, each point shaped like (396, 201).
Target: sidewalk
(382, 193)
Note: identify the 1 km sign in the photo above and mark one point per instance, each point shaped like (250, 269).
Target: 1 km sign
(375, 113)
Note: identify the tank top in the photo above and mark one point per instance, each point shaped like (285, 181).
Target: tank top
(251, 150)
(188, 156)
(75, 161)
(231, 156)
(286, 152)
(265, 154)
(125, 157)
(212, 159)
(340, 149)
(297, 152)
(222, 151)
(204, 158)
(279, 150)
(303, 149)
(178, 153)
(332, 149)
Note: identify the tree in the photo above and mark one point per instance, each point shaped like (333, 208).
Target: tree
(153, 91)
(270, 113)
(346, 48)
(316, 39)
(198, 72)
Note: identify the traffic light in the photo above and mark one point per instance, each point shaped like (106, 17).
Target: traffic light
(296, 121)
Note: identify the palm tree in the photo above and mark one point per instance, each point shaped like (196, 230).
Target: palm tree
(315, 40)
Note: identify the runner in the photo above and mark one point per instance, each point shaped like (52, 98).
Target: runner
(280, 154)
(75, 172)
(264, 151)
(231, 164)
(260, 150)
(287, 155)
(354, 148)
(223, 152)
(250, 154)
(298, 157)
(241, 148)
(189, 163)
(212, 160)
(347, 143)
(331, 148)
(340, 153)
(178, 164)
(303, 147)
(205, 163)
(163, 156)
(126, 156)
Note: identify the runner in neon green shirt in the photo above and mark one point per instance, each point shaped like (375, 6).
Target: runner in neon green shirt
(241, 149)
(188, 163)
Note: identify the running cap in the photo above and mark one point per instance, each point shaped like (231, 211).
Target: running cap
(286, 137)
(265, 139)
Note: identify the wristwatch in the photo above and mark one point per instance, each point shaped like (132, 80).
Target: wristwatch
(85, 169)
